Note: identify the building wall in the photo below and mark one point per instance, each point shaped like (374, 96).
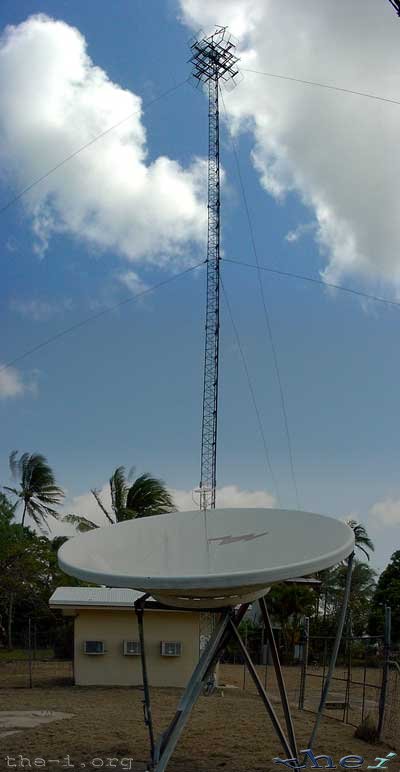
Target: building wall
(116, 669)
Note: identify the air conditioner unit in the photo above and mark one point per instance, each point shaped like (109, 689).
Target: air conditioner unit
(94, 647)
(132, 648)
(171, 648)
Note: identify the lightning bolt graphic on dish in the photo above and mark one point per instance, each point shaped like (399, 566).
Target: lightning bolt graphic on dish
(232, 539)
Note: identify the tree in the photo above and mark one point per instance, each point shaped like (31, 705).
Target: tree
(362, 540)
(361, 593)
(7, 534)
(387, 594)
(328, 577)
(288, 604)
(7, 510)
(146, 496)
(37, 487)
(29, 574)
(18, 564)
(326, 592)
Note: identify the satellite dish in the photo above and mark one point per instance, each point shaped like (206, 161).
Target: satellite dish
(211, 559)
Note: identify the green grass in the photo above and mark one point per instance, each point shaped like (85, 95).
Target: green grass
(24, 654)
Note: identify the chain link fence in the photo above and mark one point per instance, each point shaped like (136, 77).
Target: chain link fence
(356, 685)
(365, 684)
(39, 658)
(26, 672)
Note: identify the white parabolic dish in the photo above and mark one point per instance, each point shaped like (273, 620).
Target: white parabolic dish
(219, 558)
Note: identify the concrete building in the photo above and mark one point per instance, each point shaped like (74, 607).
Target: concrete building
(106, 638)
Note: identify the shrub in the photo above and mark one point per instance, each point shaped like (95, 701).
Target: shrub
(367, 730)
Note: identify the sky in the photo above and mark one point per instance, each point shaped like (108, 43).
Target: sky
(315, 172)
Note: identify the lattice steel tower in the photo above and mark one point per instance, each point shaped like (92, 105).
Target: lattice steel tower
(214, 61)
(396, 5)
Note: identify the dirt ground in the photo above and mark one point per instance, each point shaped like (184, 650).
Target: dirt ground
(226, 731)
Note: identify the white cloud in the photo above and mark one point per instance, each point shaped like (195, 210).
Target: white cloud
(297, 233)
(132, 281)
(337, 151)
(185, 500)
(39, 309)
(86, 505)
(11, 244)
(387, 512)
(54, 100)
(227, 496)
(12, 385)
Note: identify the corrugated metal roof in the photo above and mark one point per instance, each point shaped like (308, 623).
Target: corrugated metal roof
(94, 596)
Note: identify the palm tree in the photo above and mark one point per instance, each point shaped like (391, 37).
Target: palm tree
(327, 576)
(362, 540)
(145, 496)
(363, 583)
(37, 486)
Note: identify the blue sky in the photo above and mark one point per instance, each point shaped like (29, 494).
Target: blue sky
(127, 388)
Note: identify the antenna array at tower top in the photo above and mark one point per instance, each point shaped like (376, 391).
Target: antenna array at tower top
(213, 56)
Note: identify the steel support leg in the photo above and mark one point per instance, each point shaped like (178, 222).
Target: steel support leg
(263, 694)
(279, 676)
(335, 651)
(148, 718)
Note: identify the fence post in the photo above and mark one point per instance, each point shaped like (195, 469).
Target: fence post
(364, 684)
(348, 645)
(324, 665)
(266, 660)
(303, 674)
(30, 652)
(387, 642)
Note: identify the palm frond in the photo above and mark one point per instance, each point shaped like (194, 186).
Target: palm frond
(57, 542)
(13, 463)
(27, 464)
(12, 490)
(126, 514)
(131, 473)
(38, 487)
(363, 550)
(81, 523)
(50, 497)
(44, 508)
(38, 515)
(119, 490)
(96, 495)
(149, 496)
(361, 538)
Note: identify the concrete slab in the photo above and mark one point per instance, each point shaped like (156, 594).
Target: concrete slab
(13, 721)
